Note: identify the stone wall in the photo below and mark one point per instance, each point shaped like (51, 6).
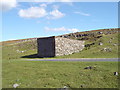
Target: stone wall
(89, 34)
(58, 46)
(64, 46)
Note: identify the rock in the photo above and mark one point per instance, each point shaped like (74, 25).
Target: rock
(107, 49)
(114, 44)
(115, 73)
(100, 32)
(22, 51)
(110, 41)
(100, 43)
(99, 36)
(81, 86)
(15, 85)
(112, 38)
(65, 87)
(88, 67)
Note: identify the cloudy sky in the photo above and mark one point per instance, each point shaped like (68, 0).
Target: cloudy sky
(39, 19)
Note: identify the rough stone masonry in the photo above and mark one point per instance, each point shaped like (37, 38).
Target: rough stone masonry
(58, 46)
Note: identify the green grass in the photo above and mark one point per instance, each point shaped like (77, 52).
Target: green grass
(10, 51)
(57, 74)
(30, 47)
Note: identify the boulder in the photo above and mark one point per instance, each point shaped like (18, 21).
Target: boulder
(100, 43)
(115, 73)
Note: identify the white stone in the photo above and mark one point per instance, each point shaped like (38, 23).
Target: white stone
(22, 51)
(115, 73)
(15, 85)
(65, 87)
(100, 43)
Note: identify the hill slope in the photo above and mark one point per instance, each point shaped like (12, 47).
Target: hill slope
(98, 44)
(47, 74)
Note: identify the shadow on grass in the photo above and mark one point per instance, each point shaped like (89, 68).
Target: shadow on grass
(34, 56)
(31, 56)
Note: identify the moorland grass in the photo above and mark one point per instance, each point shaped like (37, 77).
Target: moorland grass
(95, 51)
(57, 74)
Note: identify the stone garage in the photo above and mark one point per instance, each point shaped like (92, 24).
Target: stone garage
(58, 46)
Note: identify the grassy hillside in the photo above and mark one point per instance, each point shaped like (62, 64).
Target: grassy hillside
(97, 45)
(110, 42)
(59, 74)
(47, 74)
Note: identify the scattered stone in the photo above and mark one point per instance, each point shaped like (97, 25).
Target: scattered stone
(100, 43)
(88, 45)
(101, 32)
(65, 87)
(114, 44)
(107, 49)
(81, 86)
(22, 51)
(112, 38)
(110, 41)
(15, 85)
(115, 73)
(88, 67)
(99, 36)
